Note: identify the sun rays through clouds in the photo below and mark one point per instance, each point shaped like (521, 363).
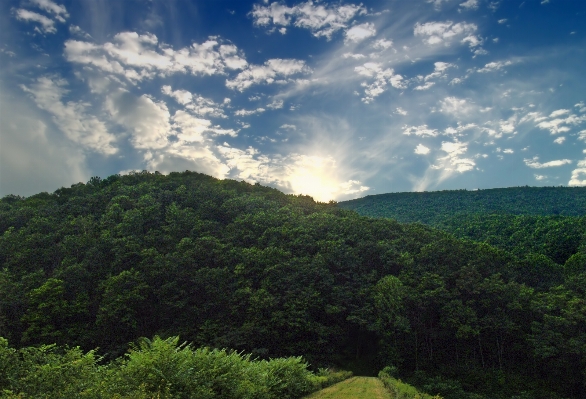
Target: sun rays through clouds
(330, 99)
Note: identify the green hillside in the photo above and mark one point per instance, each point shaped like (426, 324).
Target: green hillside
(226, 264)
(433, 207)
(529, 222)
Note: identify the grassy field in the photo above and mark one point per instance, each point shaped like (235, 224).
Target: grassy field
(354, 388)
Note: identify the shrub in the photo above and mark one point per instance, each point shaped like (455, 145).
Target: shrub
(401, 390)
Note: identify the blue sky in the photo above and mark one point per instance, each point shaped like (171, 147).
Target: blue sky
(337, 100)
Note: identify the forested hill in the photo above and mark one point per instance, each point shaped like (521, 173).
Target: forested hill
(232, 265)
(529, 222)
(434, 207)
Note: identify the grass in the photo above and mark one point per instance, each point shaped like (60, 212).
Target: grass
(354, 388)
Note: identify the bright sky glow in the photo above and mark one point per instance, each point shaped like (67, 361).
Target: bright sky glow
(333, 99)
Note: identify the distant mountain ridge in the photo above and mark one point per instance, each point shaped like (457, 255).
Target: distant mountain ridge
(430, 207)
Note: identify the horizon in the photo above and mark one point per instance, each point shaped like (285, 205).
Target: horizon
(336, 100)
(347, 200)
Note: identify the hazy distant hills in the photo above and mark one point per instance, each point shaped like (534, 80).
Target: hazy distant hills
(433, 207)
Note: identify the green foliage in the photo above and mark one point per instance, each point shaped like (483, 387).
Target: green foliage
(326, 377)
(402, 390)
(46, 372)
(227, 264)
(157, 368)
(546, 221)
(432, 207)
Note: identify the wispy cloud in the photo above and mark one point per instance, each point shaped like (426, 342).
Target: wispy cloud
(447, 32)
(58, 10)
(273, 71)
(320, 20)
(469, 5)
(360, 32)
(422, 131)
(47, 24)
(74, 119)
(535, 164)
(138, 57)
(382, 79)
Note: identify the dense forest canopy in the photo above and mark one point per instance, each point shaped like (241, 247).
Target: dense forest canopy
(526, 221)
(228, 264)
(433, 207)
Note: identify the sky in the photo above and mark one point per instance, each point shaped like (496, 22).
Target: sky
(337, 100)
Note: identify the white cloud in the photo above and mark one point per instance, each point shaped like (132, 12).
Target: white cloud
(276, 13)
(77, 31)
(507, 126)
(508, 151)
(47, 24)
(138, 57)
(494, 66)
(199, 105)
(267, 73)
(426, 86)
(560, 140)
(437, 3)
(535, 164)
(439, 72)
(58, 10)
(147, 121)
(288, 127)
(276, 104)
(444, 33)
(190, 128)
(360, 32)
(321, 20)
(34, 155)
(72, 118)
(582, 106)
(421, 131)
(474, 41)
(183, 97)
(540, 177)
(479, 51)
(560, 125)
(186, 156)
(579, 175)
(400, 111)
(354, 56)
(469, 5)
(454, 159)
(382, 44)
(245, 112)
(421, 150)
(458, 107)
(382, 78)
(459, 130)
(502, 21)
(559, 112)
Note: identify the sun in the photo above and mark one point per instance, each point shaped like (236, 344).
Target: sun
(315, 177)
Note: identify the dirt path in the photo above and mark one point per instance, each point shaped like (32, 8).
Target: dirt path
(353, 388)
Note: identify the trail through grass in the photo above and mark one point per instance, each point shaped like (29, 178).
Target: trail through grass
(354, 388)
